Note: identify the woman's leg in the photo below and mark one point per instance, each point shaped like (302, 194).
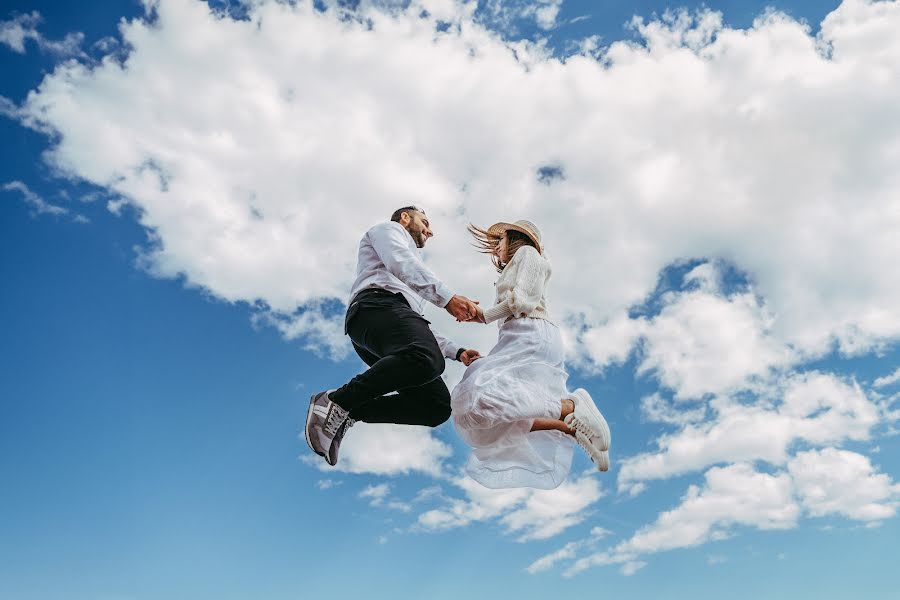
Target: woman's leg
(545, 423)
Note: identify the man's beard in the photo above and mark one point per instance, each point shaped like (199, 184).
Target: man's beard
(418, 237)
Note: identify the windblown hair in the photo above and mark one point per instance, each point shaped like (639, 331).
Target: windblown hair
(486, 242)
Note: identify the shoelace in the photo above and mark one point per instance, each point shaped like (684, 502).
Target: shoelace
(337, 416)
(578, 424)
(585, 442)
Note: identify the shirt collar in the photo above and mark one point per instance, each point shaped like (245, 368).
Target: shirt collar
(409, 236)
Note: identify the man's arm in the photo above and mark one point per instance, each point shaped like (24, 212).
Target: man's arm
(448, 348)
(391, 243)
(392, 246)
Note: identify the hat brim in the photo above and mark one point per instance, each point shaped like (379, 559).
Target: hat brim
(501, 228)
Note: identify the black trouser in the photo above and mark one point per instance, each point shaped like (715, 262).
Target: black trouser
(403, 356)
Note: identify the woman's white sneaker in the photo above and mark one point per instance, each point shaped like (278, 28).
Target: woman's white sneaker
(590, 445)
(587, 419)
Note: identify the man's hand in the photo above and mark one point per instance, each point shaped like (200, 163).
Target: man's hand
(479, 315)
(467, 357)
(462, 308)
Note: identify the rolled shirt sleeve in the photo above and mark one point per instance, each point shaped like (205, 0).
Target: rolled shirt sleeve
(391, 243)
(448, 348)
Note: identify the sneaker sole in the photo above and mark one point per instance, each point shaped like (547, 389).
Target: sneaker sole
(309, 414)
(580, 425)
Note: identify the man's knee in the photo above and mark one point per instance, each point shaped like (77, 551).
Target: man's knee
(439, 414)
(429, 361)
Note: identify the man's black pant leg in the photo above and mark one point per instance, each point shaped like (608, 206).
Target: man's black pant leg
(403, 356)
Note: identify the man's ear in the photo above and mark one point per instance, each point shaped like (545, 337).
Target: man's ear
(405, 218)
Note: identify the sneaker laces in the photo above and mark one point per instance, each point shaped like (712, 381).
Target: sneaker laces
(337, 416)
(579, 425)
(585, 442)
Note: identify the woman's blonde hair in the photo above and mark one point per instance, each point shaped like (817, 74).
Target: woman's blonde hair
(487, 242)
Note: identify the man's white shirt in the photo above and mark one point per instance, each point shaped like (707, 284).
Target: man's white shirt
(389, 259)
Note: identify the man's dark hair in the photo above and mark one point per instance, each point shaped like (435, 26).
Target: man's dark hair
(405, 209)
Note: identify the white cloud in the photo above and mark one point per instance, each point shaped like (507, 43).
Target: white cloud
(549, 512)
(766, 147)
(15, 32)
(814, 483)
(38, 205)
(568, 551)
(735, 495)
(385, 449)
(887, 379)
(528, 513)
(379, 495)
(702, 343)
(838, 481)
(632, 567)
(504, 14)
(547, 562)
(816, 408)
(656, 408)
(260, 188)
(376, 493)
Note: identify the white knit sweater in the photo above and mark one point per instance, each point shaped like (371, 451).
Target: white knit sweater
(520, 288)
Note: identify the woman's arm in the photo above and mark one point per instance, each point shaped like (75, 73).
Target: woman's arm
(530, 278)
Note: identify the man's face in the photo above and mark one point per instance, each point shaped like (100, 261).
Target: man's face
(418, 227)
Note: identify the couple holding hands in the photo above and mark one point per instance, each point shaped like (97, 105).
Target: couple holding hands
(511, 406)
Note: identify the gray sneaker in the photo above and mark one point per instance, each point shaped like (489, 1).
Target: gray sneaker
(324, 420)
(332, 457)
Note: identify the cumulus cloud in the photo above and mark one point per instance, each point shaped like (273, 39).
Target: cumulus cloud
(567, 552)
(832, 481)
(35, 202)
(379, 496)
(814, 483)
(703, 343)
(731, 496)
(505, 15)
(656, 408)
(769, 149)
(385, 449)
(16, 31)
(815, 408)
(527, 513)
(259, 188)
(887, 379)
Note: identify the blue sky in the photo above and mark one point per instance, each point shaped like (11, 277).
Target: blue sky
(179, 225)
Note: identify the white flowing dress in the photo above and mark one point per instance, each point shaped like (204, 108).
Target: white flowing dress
(499, 397)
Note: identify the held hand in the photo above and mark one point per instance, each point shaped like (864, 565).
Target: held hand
(479, 315)
(469, 356)
(461, 308)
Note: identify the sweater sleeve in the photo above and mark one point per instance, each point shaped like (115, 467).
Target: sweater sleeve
(531, 275)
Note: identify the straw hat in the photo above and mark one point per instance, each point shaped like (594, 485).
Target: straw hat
(522, 226)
